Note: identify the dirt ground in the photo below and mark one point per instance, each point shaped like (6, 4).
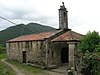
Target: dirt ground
(21, 72)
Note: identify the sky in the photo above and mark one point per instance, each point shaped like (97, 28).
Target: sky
(83, 15)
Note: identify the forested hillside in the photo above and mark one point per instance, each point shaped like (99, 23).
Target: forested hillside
(22, 29)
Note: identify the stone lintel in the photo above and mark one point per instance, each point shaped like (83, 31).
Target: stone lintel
(72, 42)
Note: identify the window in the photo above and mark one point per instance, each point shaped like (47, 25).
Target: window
(52, 54)
(48, 51)
(64, 14)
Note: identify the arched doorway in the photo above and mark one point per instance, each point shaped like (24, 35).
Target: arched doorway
(64, 55)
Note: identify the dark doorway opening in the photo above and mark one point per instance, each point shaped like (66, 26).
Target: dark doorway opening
(64, 55)
(24, 56)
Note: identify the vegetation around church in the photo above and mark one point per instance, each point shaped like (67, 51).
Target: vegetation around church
(4, 69)
(2, 49)
(90, 47)
(27, 69)
(90, 42)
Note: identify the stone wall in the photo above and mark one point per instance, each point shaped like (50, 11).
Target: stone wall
(14, 50)
(36, 52)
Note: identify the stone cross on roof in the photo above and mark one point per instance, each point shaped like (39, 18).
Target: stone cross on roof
(63, 3)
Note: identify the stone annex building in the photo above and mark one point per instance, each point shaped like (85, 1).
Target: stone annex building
(46, 48)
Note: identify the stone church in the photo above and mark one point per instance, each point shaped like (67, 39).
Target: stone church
(46, 48)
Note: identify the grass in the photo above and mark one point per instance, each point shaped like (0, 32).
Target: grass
(6, 69)
(29, 70)
(2, 56)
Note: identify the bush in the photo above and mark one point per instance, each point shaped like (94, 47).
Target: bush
(89, 42)
(91, 59)
(2, 49)
(90, 46)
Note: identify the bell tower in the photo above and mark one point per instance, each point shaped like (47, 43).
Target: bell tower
(63, 18)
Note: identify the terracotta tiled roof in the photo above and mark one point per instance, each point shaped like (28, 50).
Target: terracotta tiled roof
(31, 37)
(68, 36)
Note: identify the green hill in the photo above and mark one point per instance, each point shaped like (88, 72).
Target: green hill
(22, 29)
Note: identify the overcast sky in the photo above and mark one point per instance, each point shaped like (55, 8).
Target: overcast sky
(83, 15)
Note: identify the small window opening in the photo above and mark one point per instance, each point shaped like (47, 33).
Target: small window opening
(52, 54)
(64, 14)
(48, 51)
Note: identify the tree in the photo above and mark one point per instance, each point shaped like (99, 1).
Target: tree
(2, 49)
(89, 42)
(90, 46)
(97, 49)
